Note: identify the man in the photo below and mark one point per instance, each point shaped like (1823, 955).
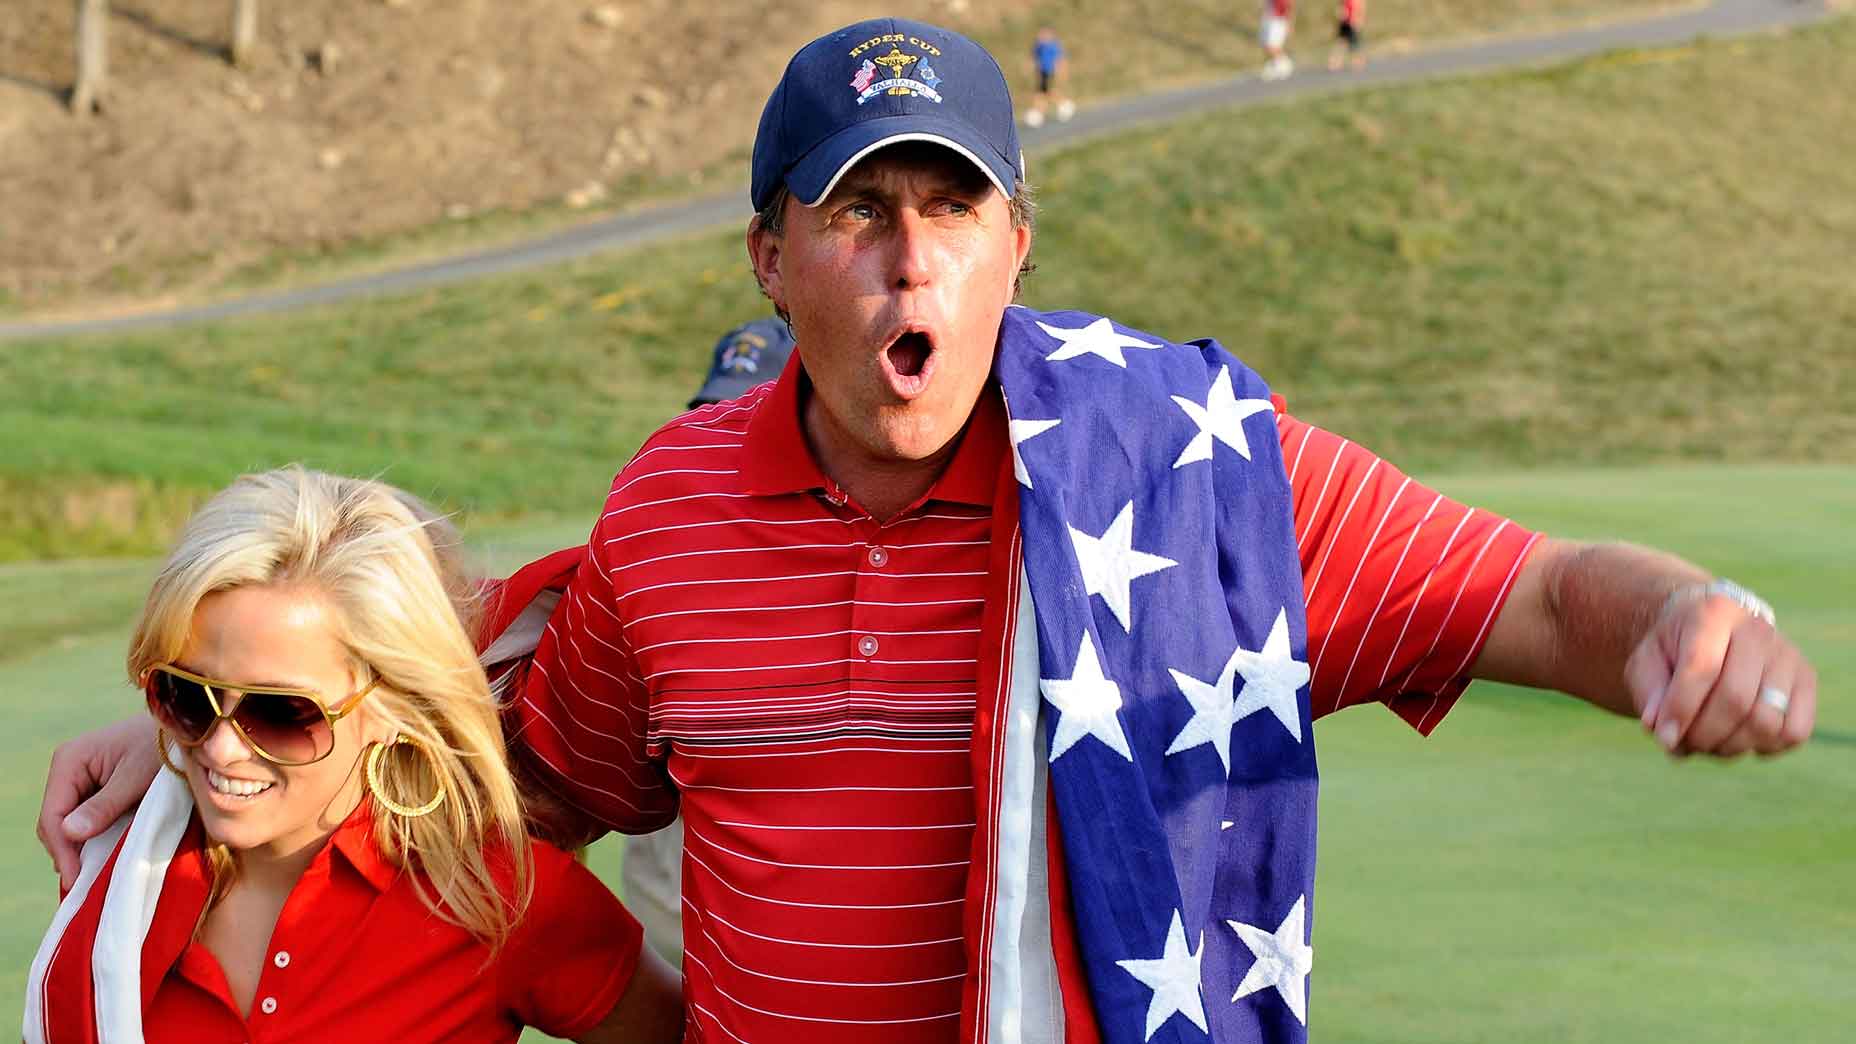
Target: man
(1048, 59)
(809, 620)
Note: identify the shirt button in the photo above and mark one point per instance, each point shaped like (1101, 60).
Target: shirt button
(268, 1005)
(282, 960)
(879, 557)
(867, 645)
(835, 495)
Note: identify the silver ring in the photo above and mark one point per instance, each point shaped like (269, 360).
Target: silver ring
(1776, 698)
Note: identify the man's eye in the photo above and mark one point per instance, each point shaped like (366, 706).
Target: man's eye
(861, 211)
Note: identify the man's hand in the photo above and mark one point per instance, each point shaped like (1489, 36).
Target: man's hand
(1712, 678)
(93, 780)
(1631, 630)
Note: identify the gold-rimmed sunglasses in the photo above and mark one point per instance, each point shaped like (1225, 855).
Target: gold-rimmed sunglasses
(283, 726)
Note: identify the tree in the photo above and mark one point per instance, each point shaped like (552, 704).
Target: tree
(93, 56)
(244, 31)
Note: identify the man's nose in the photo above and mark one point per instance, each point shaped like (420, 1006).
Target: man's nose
(914, 247)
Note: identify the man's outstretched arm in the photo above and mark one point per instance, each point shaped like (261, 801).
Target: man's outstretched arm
(1638, 632)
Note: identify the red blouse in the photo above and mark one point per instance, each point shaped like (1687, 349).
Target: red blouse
(356, 956)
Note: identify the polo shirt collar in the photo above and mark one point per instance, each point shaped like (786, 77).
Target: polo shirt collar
(776, 458)
(354, 844)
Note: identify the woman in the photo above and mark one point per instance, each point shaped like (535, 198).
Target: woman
(338, 852)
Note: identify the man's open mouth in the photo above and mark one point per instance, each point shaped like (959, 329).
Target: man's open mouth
(909, 354)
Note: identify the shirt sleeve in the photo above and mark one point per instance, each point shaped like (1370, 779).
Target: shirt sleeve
(1402, 583)
(581, 711)
(571, 956)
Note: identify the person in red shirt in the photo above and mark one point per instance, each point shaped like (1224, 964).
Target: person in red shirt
(1349, 35)
(785, 623)
(1277, 22)
(338, 849)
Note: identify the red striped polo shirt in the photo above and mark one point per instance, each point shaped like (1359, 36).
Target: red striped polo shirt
(743, 635)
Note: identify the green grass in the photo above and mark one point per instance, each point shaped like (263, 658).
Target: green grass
(1536, 871)
(1639, 256)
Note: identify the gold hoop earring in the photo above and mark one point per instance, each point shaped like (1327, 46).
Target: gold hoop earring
(374, 751)
(161, 748)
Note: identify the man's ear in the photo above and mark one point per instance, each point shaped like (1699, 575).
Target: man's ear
(764, 256)
(1021, 246)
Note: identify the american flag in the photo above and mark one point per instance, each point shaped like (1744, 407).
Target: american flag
(1160, 553)
(865, 75)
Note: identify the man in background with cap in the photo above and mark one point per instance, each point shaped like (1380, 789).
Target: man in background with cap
(821, 622)
(750, 354)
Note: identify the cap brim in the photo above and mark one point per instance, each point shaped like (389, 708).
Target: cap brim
(813, 177)
(722, 389)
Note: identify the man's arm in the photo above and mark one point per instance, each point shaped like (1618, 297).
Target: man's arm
(547, 815)
(577, 712)
(93, 781)
(1633, 631)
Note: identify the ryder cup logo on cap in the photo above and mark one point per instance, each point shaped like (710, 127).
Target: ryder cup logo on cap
(876, 83)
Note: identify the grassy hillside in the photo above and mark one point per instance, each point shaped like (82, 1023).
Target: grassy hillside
(1643, 256)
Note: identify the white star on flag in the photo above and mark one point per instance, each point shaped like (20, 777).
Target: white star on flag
(1222, 418)
(1098, 338)
(1088, 701)
(1214, 712)
(1110, 564)
(1174, 978)
(1271, 677)
(1022, 430)
(1283, 960)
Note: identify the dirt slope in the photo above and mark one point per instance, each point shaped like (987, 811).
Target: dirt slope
(361, 117)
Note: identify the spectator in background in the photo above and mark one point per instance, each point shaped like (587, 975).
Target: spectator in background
(1274, 36)
(750, 354)
(651, 879)
(1047, 54)
(1348, 37)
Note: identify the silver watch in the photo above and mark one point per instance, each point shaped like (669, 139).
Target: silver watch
(1740, 596)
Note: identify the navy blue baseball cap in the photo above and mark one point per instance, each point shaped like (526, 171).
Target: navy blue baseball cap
(750, 354)
(887, 80)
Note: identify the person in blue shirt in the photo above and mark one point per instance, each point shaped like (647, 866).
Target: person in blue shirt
(1047, 53)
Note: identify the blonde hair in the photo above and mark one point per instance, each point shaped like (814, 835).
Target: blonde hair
(392, 571)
